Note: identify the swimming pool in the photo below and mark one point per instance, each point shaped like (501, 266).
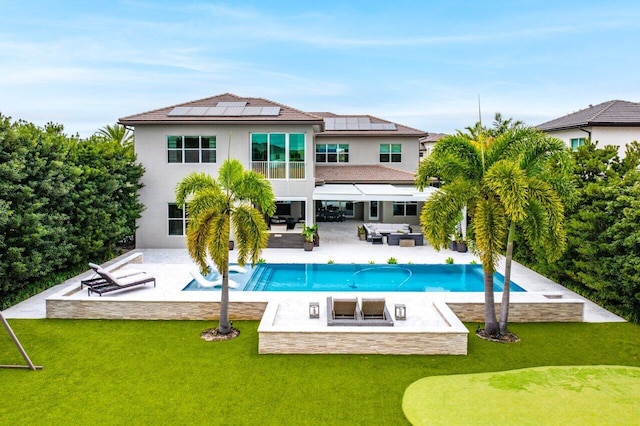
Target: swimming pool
(364, 277)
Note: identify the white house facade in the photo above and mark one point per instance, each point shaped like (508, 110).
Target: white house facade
(360, 166)
(614, 123)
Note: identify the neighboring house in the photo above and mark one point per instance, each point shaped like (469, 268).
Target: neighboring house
(609, 123)
(428, 142)
(360, 165)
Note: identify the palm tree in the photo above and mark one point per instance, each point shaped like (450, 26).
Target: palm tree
(118, 133)
(532, 188)
(461, 164)
(236, 201)
(498, 177)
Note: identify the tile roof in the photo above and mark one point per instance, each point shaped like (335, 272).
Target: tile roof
(362, 174)
(400, 130)
(286, 113)
(611, 113)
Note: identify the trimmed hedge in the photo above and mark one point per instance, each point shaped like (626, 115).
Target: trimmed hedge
(63, 201)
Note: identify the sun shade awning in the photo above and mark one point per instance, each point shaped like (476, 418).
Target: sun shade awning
(371, 192)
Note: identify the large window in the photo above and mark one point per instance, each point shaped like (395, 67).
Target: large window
(577, 142)
(332, 153)
(177, 220)
(278, 155)
(390, 153)
(405, 208)
(191, 149)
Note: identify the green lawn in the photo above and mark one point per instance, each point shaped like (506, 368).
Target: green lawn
(575, 395)
(161, 372)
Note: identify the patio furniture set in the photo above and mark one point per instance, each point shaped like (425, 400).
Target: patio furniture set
(396, 234)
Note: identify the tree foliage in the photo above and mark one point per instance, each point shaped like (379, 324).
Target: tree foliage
(602, 261)
(236, 202)
(63, 201)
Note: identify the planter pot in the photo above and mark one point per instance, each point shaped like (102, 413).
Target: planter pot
(231, 245)
(363, 237)
(307, 245)
(462, 247)
(453, 246)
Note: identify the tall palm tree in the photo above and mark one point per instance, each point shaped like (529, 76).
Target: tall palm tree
(236, 201)
(532, 188)
(118, 133)
(461, 164)
(492, 175)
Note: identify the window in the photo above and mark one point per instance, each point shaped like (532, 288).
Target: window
(390, 153)
(278, 155)
(332, 153)
(405, 208)
(177, 220)
(191, 149)
(577, 142)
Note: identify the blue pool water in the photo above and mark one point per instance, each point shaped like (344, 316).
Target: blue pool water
(364, 277)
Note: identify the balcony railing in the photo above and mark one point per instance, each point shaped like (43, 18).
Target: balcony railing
(280, 169)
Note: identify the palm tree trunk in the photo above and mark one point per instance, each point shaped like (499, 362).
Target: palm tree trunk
(490, 322)
(506, 292)
(224, 327)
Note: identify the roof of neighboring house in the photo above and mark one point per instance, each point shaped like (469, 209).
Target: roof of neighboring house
(362, 125)
(431, 138)
(611, 113)
(225, 108)
(362, 174)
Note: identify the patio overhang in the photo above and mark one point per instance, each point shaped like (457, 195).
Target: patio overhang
(371, 192)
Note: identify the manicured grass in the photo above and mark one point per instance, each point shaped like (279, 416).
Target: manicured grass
(161, 372)
(602, 395)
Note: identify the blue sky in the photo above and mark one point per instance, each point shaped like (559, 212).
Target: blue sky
(84, 64)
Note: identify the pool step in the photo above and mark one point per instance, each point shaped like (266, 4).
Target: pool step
(261, 279)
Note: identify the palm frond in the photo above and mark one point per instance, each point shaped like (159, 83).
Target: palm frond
(251, 234)
(191, 184)
(510, 184)
(490, 230)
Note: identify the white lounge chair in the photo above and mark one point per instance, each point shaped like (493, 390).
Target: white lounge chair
(203, 282)
(232, 268)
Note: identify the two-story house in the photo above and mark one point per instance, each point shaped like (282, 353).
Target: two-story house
(361, 166)
(609, 123)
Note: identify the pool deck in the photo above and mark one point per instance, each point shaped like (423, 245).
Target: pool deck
(339, 244)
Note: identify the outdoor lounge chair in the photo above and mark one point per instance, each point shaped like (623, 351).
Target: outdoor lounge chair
(372, 308)
(114, 283)
(344, 308)
(97, 281)
(203, 282)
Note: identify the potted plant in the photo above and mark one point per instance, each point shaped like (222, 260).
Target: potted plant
(316, 237)
(453, 245)
(362, 233)
(308, 233)
(461, 245)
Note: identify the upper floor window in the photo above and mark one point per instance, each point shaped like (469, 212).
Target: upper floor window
(390, 153)
(278, 155)
(177, 220)
(191, 149)
(577, 142)
(405, 208)
(332, 153)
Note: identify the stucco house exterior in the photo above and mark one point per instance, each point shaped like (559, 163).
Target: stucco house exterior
(359, 165)
(609, 123)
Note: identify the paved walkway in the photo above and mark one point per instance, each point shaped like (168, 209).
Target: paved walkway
(338, 243)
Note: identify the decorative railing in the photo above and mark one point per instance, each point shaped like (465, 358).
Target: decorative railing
(280, 169)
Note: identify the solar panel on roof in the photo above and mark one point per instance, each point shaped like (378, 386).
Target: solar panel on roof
(355, 123)
(225, 111)
(232, 104)
(179, 111)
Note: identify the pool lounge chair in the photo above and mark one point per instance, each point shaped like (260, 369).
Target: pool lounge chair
(114, 283)
(342, 311)
(374, 312)
(205, 283)
(347, 312)
(97, 281)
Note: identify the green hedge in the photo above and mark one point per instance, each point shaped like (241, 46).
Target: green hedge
(602, 260)
(63, 201)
